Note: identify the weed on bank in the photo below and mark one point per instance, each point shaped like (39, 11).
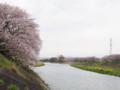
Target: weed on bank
(102, 70)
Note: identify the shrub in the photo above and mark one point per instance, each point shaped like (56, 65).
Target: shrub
(26, 88)
(40, 64)
(13, 87)
(80, 65)
(108, 70)
(1, 82)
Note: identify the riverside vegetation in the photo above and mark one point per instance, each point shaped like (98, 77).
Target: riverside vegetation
(101, 67)
(25, 73)
(20, 45)
(109, 64)
(40, 64)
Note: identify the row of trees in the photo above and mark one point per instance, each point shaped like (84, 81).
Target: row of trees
(59, 59)
(19, 35)
(108, 58)
(111, 58)
(85, 59)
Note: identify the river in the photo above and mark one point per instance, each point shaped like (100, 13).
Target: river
(65, 77)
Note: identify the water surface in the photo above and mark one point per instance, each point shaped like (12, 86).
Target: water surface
(65, 77)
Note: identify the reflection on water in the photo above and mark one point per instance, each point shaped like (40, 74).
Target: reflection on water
(65, 77)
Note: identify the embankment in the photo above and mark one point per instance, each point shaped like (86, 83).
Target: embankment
(103, 68)
(23, 78)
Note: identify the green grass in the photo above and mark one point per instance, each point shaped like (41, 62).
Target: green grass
(13, 87)
(1, 82)
(100, 69)
(6, 63)
(26, 88)
(40, 64)
(13, 66)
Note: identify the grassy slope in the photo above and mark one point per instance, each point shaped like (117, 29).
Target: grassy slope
(12, 66)
(111, 68)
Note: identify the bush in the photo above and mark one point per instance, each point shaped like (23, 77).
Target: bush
(98, 69)
(1, 82)
(13, 87)
(108, 70)
(40, 64)
(26, 88)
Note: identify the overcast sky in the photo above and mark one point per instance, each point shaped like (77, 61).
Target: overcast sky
(77, 28)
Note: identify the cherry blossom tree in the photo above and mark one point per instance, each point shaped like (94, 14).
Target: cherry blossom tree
(116, 57)
(112, 58)
(19, 35)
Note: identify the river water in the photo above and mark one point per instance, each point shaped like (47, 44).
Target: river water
(65, 77)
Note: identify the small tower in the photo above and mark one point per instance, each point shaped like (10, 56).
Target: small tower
(110, 46)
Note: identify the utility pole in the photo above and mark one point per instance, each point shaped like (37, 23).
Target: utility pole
(110, 46)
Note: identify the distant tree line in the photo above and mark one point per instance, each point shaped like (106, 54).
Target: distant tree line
(59, 59)
(85, 59)
(111, 58)
(107, 58)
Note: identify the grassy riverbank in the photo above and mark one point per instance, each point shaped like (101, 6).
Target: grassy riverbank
(14, 67)
(100, 67)
(40, 64)
(21, 77)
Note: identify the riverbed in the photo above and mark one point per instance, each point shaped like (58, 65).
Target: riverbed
(65, 77)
